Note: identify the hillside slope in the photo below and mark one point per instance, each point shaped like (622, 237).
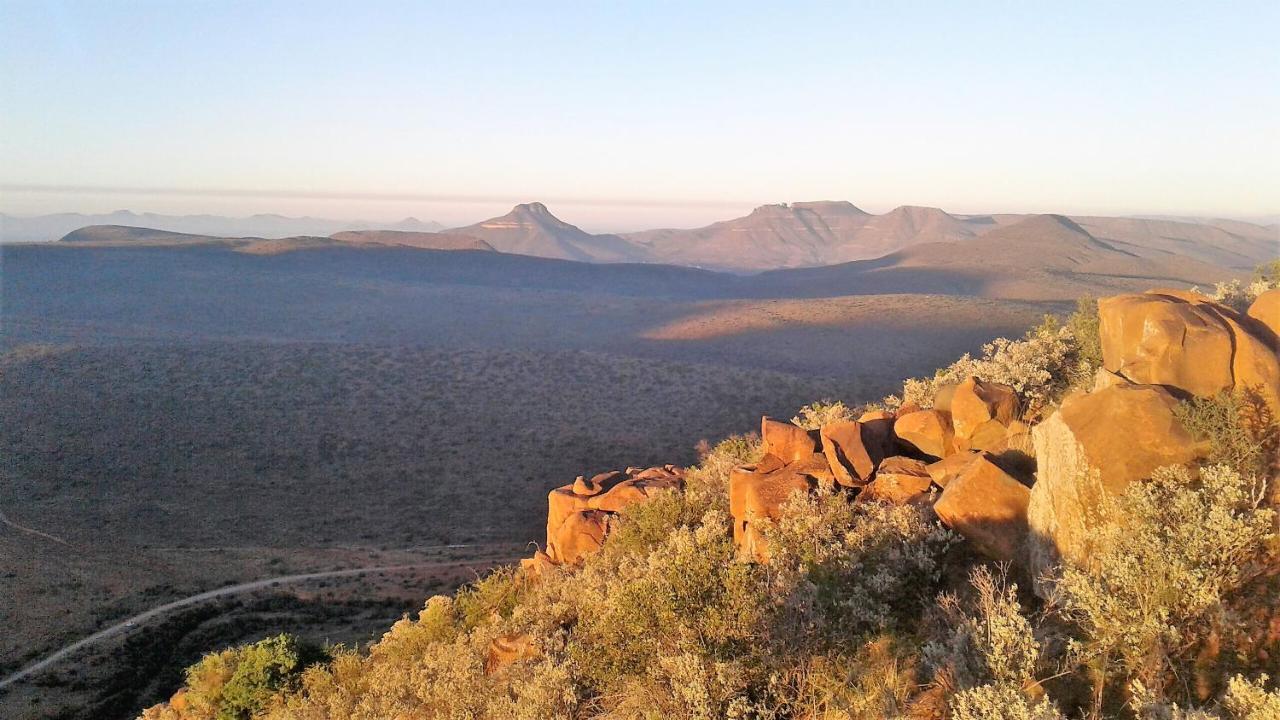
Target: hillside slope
(1042, 257)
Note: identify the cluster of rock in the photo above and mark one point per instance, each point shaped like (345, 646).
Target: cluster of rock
(1156, 347)
(581, 514)
(1014, 492)
(951, 457)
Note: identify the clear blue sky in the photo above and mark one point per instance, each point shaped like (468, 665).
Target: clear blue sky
(636, 114)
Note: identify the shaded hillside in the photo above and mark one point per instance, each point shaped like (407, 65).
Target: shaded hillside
(127, 236)
(423, 240)
(47, 228)
(1042, 257)
(531, 229)
(1228, 243)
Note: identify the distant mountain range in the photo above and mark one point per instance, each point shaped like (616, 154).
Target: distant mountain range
(814, 234)
(44, 228)
(796, 235)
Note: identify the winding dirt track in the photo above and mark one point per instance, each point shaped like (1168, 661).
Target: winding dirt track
(140, 618)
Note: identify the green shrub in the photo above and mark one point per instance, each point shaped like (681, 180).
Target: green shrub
(862, 567)
(1040, 367)
(1243, 700)
(824, 412)
(1083, 324)
(1175, 550)
(1239, 428)
(237, 683)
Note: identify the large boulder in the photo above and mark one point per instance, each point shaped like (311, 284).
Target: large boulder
(578, 514)
(758, 492)
(1184, 341)
(634, 490)
(1094, 446)
(988, 507)
(947, 469)
(1164, 340)
(898, 481)
(1265, 311)
(976, 404)
(853, 450)
(928, 431)
(787, 441)
(580, 535)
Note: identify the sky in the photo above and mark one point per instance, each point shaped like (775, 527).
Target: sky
(628, 115)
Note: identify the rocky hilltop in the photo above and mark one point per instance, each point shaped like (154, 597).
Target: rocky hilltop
(1141, 438)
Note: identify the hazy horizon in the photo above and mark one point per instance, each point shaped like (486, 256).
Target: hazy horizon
(628, 117)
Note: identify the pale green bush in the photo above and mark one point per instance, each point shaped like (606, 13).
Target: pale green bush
(1174, 550)
(857, 567)
(1239, 295)
(237, 683)
(1041, 367)
(1001, 702)
(1243, 700)
(824, 412)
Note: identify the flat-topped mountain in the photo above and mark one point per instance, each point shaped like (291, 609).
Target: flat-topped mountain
(531, 229)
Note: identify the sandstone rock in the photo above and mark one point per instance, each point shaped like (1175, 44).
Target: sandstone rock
(1104, 378)
(988, 508)
(507, 649)
(852, 451)
(899, 480)
(977, 403)
(945, 470)
(1097, 443)
(1265, 311)
(535, 566)
(928, 431)
(581, 534)
(874, 415)
(584, 487)
(991, 435)
(561, 503)
(944, 396)
(1161, 339)
(637, 489)
(1254, 365)
(756, 496)
(787, 441)
(877, 428)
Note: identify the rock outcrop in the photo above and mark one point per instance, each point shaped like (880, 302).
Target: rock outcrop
(988, 507)
(1188, 343)
(1265, 311)
(1094, 446)
(580, 514)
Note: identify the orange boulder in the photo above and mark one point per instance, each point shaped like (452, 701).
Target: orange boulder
(787, 441)
(928, 431)
(852, 450)
(945, 470)
(1265, 311)
(755, 496)
(1097, 443)
(898, 481)
(581, 534)
(977, 403)
(987, 507)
